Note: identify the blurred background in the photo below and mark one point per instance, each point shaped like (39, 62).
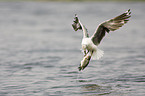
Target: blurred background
(73, 0)
(40, 52)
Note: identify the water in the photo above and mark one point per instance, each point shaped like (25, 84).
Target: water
(40, 52)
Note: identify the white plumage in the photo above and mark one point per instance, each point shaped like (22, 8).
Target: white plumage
(88, 45)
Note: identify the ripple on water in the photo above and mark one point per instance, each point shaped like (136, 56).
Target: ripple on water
(131, 78)
(94, 89)
(43, 62)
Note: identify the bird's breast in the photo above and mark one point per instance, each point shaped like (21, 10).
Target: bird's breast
(86, 41)
(88, 44)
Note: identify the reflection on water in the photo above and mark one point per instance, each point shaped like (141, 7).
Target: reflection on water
(40, 52)
(93, 89)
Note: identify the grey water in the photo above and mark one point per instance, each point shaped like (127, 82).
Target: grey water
(40, 52)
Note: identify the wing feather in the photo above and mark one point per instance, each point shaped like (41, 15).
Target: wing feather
(77, 25)
(110, 25)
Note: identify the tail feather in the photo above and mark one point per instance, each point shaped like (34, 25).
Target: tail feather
(97, 54)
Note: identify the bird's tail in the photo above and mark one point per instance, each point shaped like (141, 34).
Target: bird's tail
(97, 54)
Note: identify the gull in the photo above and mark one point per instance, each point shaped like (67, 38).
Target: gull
(90, 44)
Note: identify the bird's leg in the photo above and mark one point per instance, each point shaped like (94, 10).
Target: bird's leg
(92, 52)
(85, 53)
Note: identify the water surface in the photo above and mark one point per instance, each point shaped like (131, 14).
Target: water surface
(40, 52)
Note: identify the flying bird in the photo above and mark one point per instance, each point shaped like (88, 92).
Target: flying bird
(90, 44)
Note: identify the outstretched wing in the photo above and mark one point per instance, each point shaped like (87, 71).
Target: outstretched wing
(110, 25)
(78, 25)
